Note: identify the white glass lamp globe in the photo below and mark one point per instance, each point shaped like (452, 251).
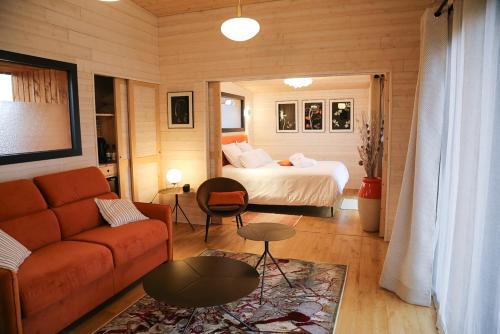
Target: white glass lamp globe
(240, 29)
(174, 176)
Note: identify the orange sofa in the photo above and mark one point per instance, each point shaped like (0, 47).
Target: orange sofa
(78, 261)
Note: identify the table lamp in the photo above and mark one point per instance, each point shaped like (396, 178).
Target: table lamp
(174, 176)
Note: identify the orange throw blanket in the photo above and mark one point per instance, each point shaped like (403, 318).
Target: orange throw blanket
(226, 198)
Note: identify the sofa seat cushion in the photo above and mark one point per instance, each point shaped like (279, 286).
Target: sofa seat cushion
(55, 271)
(129, 241)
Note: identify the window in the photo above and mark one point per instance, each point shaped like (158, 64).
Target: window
(6, 88)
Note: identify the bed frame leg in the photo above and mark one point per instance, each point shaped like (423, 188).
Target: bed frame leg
(332, 211)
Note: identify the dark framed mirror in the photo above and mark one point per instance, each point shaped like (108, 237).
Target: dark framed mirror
(232, 112)
(39, 116)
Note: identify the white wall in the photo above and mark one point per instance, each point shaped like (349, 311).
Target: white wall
(118, 39)
(320, 146)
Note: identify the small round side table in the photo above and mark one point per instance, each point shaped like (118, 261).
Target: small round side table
(267, 232)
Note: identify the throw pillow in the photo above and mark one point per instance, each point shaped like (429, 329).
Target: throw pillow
(118, 212)
(226, 198)
(12, 252)
(285, 163)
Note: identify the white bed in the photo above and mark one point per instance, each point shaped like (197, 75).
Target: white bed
(273, 184)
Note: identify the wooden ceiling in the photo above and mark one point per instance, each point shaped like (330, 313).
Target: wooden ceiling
(319, 83)
(174, 7)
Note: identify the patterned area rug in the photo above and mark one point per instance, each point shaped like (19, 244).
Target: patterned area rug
(251, 217)
(311, 306)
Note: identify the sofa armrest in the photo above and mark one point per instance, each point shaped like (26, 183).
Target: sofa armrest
(161, 212)
(10, 305)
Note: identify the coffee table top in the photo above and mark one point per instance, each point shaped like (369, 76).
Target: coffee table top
(266, 232)
(201, 281)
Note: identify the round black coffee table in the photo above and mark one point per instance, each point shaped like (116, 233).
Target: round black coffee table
(203, 281)
(267, 232)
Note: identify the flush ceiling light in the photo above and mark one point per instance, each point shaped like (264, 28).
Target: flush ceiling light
(239, 28)
(298, 82)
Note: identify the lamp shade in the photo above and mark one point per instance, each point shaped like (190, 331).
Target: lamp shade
(240, 29)
(174, 176)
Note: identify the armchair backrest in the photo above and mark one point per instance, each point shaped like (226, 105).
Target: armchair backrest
(218, 184)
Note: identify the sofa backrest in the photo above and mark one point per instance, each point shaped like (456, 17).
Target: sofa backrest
(24, 215)
(71, 196)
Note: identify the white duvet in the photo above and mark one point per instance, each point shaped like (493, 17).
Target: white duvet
(273, 184)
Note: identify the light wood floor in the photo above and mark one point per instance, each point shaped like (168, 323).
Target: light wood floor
(365, 308)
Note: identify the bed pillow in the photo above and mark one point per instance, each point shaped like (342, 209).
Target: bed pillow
(232, 153)
(119, 212)
(12, 252)
(244, 147)
(264, 156)
(252, 159)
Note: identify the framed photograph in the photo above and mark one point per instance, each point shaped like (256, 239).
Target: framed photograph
(341, 115)
(180, 110)
(313, 116)
(287, 116)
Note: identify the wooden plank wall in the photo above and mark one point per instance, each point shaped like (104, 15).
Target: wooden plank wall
(297, 37)
(119, 39)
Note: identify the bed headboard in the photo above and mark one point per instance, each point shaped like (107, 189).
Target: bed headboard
(232, 139)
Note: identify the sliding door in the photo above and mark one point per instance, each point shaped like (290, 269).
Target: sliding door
(144, 126)
(122, 137)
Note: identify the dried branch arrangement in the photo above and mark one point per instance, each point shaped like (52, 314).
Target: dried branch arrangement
(372, 133)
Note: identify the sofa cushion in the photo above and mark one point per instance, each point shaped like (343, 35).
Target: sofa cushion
(35, 230)
(80, 216)
(20, 198)
(129, 241)
(71, 186)
(55, 271)
(24, 215)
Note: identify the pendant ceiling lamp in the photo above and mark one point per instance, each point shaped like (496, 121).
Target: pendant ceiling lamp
(239, 28)
(298, 82)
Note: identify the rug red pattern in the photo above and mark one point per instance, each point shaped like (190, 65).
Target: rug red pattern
(311, 306)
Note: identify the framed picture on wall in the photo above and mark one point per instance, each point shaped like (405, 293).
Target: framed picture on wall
(341, 115)
(180, 110)
(313, 116)
(287, 116)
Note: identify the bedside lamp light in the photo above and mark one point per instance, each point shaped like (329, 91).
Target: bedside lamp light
(174, 176)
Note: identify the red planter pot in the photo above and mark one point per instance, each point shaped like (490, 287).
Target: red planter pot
(369, 196)
(371, 188)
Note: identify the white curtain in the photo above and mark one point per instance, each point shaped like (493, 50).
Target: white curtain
(408, 264)
(467, 261)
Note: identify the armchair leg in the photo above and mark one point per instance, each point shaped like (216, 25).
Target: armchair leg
(241, 220)
(207, 225)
